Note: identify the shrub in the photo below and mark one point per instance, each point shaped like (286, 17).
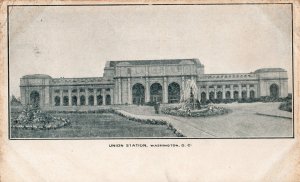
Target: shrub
(286, 106)
(14, 101)
(204, 112)
(33, 118)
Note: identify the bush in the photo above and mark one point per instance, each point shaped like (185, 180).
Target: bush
(14, 101)
(204, 112)
(286, 106)
(169, 125)
(33, 118)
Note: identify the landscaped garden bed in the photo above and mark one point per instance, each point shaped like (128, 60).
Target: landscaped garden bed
(141, 120)
(34, 118)
(205, 111)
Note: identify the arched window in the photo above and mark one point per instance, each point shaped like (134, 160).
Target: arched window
(82, 100)
(99, 100)
(65, 100)
(57, 101)
(244, 94)
(91, 100)
(74, 101)
(235, 95)
(227, 95)
(219, 95)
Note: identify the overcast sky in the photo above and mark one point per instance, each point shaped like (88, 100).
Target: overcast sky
(74, 41)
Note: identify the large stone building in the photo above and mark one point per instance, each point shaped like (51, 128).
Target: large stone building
(140, 81)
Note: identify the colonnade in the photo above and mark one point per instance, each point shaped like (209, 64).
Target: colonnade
(79, 93)
(215, 89)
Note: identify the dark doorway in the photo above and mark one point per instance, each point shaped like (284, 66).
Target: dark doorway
(244, 95)
(91, 100)
(174, 93)
(227, 95)
(156, 93)
(252, 94)
(35, 99)
(219, 95)
(274, 91)
(57, 101)
(99, 100)
(138, 94)
(211, 95)
(235, 95)
(66, 101)
(203, 97)
(74, 101)
(82, 100)
(108, 100)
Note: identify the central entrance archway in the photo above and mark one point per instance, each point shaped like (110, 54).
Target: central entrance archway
(156, 92)
(274, 91)
(35, 99)
(173, 93)
(138, 94)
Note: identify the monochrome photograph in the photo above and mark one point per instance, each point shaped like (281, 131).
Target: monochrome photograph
(150, 71)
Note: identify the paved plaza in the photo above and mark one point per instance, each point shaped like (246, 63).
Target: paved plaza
(245, 120)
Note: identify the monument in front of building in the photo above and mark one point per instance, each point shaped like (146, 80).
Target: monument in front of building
(142, 81)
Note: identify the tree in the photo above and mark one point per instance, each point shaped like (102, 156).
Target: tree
(14, 101)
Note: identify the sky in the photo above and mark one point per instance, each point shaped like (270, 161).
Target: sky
(76, 41)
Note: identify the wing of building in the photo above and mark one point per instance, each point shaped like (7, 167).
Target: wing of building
(140, 81)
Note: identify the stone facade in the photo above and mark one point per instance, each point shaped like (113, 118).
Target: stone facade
(141, 81)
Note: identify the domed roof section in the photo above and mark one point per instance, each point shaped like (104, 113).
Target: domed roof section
(270, 70)
(41, 76)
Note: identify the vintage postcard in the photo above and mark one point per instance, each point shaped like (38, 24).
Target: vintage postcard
(168, 75)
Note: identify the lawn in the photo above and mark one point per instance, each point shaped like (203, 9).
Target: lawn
(93, 125)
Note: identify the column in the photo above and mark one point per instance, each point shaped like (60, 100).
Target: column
(86, 97)
(248, 91)
(120, 91)
(95, 96)
(103, 96)
(207, 92)
(165, 92)
(78, 97)
(215, 90)
(223, 92)
(70, 97)
(61, 97)
(112, 98)
(183, 87)
(147, 91)
(240, 91)
(129, 99)
(231, 91)
(199, 93)
(53, 97)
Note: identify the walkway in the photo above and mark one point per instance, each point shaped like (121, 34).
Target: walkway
(243, 121)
